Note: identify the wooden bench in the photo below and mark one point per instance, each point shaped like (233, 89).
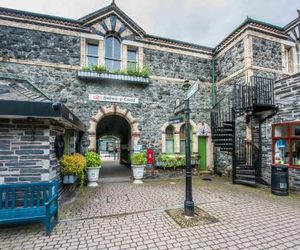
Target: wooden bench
(29, 202)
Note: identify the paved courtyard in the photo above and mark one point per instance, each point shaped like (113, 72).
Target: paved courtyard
(127, 216)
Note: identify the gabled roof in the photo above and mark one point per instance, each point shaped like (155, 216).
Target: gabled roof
(112, 8)
(255, 24)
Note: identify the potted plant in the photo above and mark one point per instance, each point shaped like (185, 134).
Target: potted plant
(73, 167)
(138, 162)
(93, 163)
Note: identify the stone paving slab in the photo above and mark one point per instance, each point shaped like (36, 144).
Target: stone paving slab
(249, 218)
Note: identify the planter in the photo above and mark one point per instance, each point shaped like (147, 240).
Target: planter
(93, 176)
(69, 179)
(138, 173)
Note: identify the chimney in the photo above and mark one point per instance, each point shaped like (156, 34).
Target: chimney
(298, 13)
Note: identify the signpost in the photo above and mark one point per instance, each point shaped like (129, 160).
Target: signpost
(184, 108)
(175, 119)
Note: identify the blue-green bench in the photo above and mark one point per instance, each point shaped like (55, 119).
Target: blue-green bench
(29, 202)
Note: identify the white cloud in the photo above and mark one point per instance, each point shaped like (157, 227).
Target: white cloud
(204, 22)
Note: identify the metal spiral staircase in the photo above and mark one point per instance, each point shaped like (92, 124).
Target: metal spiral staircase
(255, 102)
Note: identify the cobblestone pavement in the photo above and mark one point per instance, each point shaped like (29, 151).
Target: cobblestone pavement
(126, 216)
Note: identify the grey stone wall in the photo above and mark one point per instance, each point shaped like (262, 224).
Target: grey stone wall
(287, 92)
(266, 53)
(39, 46)
(27, 150)
(156, 101)
(167, 64)
(231, 61)
(24, 153)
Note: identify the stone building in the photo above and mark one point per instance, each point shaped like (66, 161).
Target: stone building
(54, 54)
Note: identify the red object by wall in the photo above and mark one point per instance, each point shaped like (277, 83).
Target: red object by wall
(150, 156)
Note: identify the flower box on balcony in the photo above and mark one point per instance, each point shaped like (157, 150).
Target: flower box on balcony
(92, 75)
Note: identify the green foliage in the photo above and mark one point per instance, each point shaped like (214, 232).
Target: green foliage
(74, 165)
(92, 160)
(172, 161)
(99, 68)
(138, 159)
(144, 72)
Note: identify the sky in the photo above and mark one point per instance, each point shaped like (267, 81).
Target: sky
(204, 22)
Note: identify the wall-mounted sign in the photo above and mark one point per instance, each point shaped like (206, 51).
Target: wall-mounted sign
(137, 148)
(110, 98)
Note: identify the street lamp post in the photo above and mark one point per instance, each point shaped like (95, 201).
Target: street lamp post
(188, 203)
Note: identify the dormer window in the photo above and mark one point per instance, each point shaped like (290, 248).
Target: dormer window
(112, 53)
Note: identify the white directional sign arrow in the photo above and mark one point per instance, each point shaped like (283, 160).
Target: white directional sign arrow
(192, 90)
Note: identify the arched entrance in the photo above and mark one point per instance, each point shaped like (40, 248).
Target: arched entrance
(114, 122)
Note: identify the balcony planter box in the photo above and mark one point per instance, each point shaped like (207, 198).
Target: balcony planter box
(69, 179)
(92, 75)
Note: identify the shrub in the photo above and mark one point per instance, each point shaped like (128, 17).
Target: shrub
(92, 159)
(74, 164)
(172, 161)
(138, 159)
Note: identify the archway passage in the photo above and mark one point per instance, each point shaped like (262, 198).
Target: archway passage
(113, 136)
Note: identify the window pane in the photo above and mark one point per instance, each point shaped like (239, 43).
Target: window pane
(169, 146)
(182, 146)
(169, 132)
(131, 55)
(281, 130)
(109, 47)
(296, 130)
(112, 64)
(116, 49)
(92, 50)
(281, 152)
(296, 153)
(92, 61)
(131, 65)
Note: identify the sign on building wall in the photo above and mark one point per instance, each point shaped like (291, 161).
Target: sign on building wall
(110, 98)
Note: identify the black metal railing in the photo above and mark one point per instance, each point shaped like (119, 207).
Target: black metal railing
(259, 92)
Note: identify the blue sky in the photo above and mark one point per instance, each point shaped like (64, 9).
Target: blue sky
(204, 22)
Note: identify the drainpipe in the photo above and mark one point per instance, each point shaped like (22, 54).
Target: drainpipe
(213, 87)
(213, 102)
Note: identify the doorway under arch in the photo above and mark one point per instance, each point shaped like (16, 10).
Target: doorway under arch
(115, 122)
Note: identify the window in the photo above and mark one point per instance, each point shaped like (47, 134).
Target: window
(298, 55)
(169, 140)
(288, 60)
(286, 144)
(112, 53)
(91, 54)
(182, 139)
(132, 59)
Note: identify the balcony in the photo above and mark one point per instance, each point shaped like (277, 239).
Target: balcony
(97, 76)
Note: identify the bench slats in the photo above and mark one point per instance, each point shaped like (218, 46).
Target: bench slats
(6, 198)
(29, 202)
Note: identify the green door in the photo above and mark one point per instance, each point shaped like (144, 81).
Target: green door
(202, 153)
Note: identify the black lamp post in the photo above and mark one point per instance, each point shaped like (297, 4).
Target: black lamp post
(188, 203)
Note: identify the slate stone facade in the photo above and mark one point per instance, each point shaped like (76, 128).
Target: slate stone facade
(32, 45)
(267, 53)
(287, 92)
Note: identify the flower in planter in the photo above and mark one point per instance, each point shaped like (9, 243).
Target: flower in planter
(74, 165)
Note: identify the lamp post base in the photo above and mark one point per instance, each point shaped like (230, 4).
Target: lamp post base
(189, 208)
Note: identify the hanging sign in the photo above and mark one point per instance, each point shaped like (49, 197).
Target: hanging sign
(110, 98)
